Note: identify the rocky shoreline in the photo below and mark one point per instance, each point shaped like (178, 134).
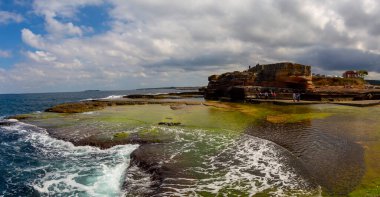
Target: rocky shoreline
(157, 160)
(147, 158)
(153, 150)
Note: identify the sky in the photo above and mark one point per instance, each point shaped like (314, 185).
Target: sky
(74, 45)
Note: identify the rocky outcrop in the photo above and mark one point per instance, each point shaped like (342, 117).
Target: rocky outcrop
(337, 81)
(93, 105)
(283, 75)
(271, 76)
(78, 107)
(176, 95)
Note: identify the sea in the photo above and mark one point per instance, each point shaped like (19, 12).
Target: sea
(31, 161)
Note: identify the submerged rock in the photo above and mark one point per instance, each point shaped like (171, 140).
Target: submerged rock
(8, 122)
(253, 165)
(78, 107)
(177, 106)
(93, 105)
(169, 123)
(336, 163)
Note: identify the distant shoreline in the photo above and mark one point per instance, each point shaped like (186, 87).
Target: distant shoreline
(176, 88)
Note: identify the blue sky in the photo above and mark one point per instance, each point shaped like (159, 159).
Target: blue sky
(74, 45)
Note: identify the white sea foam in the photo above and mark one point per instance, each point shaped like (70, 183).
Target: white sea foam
(88, 113)
(113, 97)
(256, 165)
(138, 181)
(246, 164)
(88, 99)
(74, 170)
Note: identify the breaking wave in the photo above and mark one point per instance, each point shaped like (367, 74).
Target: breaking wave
(55, 167)
(237, 166)
(113, 97)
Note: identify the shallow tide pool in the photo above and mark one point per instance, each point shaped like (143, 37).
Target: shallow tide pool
(218, 149)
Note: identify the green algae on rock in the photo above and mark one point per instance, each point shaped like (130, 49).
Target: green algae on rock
(198, 153)
(293, 118)
(93, 105)
(78, 107)
(121, 135)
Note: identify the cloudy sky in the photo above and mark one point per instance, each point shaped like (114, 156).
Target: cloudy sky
(75, 45)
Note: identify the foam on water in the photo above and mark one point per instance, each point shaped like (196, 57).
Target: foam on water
(253, 165)
(113, 97)
(88, 99)
(65, 169)
(232, 165)
(88, 113)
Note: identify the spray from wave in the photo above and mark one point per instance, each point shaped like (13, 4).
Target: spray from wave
(223, 165)
(113, 97)
(59, 167)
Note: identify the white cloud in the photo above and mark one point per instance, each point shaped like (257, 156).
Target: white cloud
(373, 75)
(67, 8)
(8, 17)
(63, 9)
(160, 43)
(56, 28)
(41, 56)
(32, 39)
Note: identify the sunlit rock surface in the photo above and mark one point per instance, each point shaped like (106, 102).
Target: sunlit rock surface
(281, 75)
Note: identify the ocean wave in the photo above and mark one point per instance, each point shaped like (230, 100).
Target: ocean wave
(68, 170)
(113, 97)
(256, 165)
(229, 165)
(88, 113)
(88, 99)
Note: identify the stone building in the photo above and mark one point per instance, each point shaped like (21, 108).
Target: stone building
(350, 74)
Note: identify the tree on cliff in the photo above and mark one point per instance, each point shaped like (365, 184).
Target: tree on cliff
(362, 73)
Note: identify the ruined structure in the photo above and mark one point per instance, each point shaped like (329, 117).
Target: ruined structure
(281, 77)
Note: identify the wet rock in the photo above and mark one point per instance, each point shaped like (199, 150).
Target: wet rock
(86, 106)
(169, 123)
(19, 117)
(142, 96)
(336, 163)
(78, 107)
(176, 95)
(177, 106)
(8, 122)
(157, 161)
